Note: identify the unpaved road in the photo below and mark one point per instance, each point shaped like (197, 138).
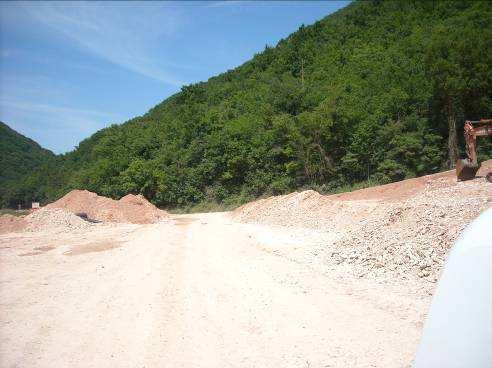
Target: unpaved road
(199, 291)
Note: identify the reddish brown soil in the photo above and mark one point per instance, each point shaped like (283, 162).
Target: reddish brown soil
(130, 209)
(410, 187)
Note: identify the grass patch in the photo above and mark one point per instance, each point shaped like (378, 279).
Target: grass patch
(203, 207)
(9, 211)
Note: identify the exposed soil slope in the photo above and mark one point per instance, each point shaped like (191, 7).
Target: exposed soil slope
(411, 187)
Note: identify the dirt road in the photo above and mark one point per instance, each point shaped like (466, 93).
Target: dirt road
(199, 291)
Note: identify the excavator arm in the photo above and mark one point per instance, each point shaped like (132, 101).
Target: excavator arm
(467, 168)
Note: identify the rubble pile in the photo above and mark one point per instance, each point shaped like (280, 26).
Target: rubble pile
(404, 234)
(414, 236)
(54, 219)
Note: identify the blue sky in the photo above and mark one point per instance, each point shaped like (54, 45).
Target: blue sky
(70, 69)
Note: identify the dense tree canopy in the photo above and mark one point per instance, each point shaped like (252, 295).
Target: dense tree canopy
(19, 156)
(371, 94)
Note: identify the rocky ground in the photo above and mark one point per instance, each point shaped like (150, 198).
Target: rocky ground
(394, 233)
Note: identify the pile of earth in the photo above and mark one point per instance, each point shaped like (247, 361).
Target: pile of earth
(129, 209)
(402, 230)
(54, 218)
(44, 219)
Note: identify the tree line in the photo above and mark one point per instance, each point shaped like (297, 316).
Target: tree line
(374, 93)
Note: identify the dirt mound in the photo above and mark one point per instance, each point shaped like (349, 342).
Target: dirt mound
(129, 209)
(397, 229)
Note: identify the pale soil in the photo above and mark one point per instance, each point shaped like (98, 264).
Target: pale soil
(197, 291)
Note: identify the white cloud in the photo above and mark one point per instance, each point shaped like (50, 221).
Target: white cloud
(125, 34)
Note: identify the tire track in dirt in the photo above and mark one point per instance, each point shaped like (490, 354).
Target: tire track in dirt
(197, 291)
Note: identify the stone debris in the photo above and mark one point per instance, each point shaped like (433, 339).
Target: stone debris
(54, 219)
(405, 236)
(413, 237)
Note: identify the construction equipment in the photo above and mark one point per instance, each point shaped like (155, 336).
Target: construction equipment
(467, 168)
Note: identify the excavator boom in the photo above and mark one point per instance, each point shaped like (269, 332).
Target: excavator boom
(467, 168)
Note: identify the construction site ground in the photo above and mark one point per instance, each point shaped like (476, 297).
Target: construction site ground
(253, 288)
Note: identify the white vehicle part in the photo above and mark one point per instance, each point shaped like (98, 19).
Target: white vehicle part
(458, 329)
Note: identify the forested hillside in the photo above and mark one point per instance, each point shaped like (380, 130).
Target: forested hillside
(374, 93)
(19, 156)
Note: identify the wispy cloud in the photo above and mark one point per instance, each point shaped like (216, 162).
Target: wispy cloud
(220, 4)
(120, 33)
(61, 127)
(58, 110)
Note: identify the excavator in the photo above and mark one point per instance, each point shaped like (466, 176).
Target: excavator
(467, 168)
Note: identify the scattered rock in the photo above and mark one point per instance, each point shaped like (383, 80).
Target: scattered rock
(54, 219)
(387, 235)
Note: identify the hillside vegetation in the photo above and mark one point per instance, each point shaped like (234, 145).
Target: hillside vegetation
(19, 156)
(374, 93)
